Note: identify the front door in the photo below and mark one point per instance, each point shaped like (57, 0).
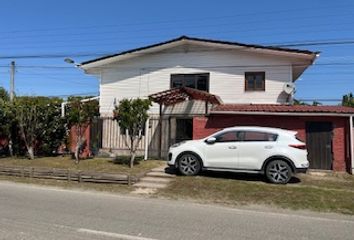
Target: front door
(184, 129)
(319, 144)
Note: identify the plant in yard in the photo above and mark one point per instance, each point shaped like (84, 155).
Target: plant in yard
(4, 95)
(6, 119)
(79, 115)
(348, 100)
(131, 115)
(40, 127)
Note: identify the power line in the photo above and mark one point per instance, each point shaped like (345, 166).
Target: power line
(187, 20)
(91, 54)
(191, 26)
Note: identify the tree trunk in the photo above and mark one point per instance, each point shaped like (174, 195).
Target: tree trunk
(132, 158)
(77, 153)
(132, 152)
(30, 151)
(78, 144)
(11, 151)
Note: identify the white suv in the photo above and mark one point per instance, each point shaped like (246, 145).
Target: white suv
(275, 152)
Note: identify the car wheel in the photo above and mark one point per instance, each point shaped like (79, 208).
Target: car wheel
(189, 164)
(279, 172)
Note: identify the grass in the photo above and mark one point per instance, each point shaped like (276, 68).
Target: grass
(119, 165)
(96, 164)
(332, 194)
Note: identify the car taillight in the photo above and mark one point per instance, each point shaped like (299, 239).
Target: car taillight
(298, 146)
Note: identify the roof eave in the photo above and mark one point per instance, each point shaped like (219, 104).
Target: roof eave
(155, 47)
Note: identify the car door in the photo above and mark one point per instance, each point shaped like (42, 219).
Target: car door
(255, 147)
(223, 152)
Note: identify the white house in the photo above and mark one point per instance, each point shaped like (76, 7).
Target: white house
(237, 73)
(247, 79)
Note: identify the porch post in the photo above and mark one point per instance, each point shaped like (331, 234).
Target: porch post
(160, 131)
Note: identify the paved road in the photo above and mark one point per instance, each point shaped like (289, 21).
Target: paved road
(31, 212)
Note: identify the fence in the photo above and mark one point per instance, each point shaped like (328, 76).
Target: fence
(113, 139)
(68, 175)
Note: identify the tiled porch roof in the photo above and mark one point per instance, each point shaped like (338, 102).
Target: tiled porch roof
(176, 95)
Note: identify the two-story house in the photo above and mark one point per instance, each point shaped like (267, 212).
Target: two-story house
(235, 84)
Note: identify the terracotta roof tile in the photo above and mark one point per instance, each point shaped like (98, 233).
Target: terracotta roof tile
(277, 108)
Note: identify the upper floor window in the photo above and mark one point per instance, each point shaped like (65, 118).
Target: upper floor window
(255, 81)
(198, 81)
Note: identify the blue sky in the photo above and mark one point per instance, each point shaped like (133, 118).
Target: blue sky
(72, 28)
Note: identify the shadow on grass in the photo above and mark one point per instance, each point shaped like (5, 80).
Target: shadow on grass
(253, 177)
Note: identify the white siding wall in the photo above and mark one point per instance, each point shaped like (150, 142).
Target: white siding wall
(144, 75)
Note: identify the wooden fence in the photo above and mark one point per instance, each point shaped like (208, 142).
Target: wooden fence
(113, 139)
(68, 175)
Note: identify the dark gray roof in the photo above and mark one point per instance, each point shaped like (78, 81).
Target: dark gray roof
(207, 41)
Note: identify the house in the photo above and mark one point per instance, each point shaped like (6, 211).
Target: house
(200, 86)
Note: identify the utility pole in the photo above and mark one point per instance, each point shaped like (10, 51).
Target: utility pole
(12, 94)
(12, 81)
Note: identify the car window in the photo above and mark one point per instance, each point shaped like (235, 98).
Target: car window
(259, 136)
(232, 136)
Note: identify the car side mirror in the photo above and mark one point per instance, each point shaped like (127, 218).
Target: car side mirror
(210, 140)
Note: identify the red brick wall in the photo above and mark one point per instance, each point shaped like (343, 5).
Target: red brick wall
(86, 152)
(202, 127)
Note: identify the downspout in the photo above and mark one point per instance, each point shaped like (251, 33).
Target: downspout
(146, 152)
(351, 128)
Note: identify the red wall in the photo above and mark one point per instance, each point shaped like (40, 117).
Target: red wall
(86, 152)
(204, 126)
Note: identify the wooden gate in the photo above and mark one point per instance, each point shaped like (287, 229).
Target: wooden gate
(319, 144)
(96, 135)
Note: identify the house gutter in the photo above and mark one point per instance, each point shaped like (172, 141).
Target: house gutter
(63, 104)
(351, 128)
(282, 113)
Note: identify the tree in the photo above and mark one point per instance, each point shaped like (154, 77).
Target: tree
(79, 115)
(299, 102)
(7, 121)
(39, 124)
(131, 115)
(348, 100)
(4, 95)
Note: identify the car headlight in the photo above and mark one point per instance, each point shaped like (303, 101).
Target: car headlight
(177, 144)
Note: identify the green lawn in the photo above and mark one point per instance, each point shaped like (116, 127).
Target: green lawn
(95, 164)
(329, 194)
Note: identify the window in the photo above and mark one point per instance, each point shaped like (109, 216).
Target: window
(198, 81)
(229, 137)
(255, 81)
(259, 136)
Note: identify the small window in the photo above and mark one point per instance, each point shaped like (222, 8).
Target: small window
(259, 136)
(198, 81)
(228, 137)
(255, 81)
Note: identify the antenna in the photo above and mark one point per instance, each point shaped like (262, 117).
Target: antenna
(289, 88)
